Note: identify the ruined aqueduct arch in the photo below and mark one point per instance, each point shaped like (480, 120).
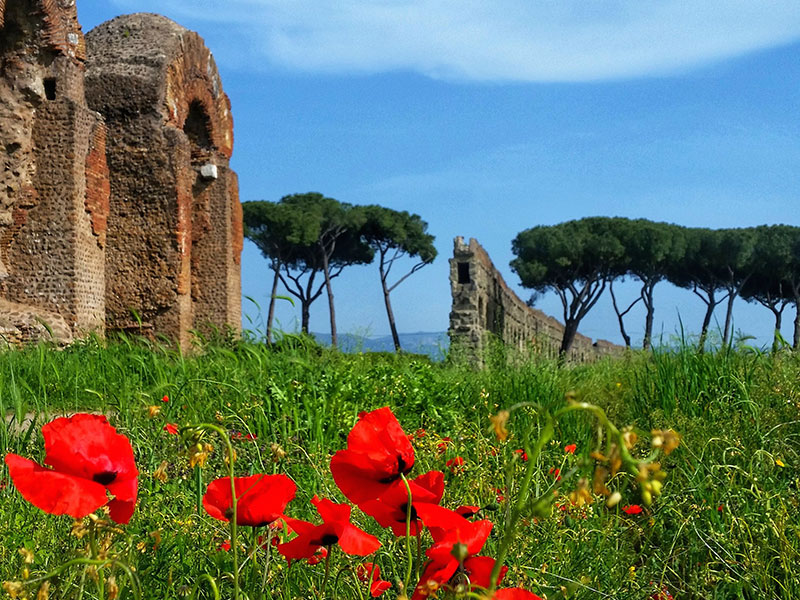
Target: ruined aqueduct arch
(126, 217)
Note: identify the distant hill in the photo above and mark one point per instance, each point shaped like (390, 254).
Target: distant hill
(434, 344)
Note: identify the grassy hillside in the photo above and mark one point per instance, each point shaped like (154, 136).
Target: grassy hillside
(727, 524)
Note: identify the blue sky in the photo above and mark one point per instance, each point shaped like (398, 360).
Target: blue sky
(487, 118)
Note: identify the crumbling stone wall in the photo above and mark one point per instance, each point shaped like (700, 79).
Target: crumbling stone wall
(484, 307)
(174, 231)
(51, 258)
(118, 208)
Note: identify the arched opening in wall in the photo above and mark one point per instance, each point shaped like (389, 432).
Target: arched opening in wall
(197, 128)
(208, 249)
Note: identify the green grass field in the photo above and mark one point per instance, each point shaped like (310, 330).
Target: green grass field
(727, 524)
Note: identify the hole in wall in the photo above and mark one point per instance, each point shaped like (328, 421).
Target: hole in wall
(50, 88)
(463, 272)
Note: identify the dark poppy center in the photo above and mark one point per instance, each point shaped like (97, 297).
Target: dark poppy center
(229, 513)
(402, 469)
(104, 477)
(329, 539)
(404, 510)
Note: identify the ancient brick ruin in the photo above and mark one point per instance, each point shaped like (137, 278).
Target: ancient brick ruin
(118, 209)
(485, 308)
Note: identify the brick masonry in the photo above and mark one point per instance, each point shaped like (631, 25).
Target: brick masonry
(106, 222)
(484, 307)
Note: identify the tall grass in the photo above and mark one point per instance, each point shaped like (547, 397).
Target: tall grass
(727, 525)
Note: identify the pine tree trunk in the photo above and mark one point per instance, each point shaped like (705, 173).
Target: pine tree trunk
(726, 332)
(306, 316)
(778, 323)
(390, 314)
(796, 337)
(331, 309)
(570, 329)
(706, 322)
(271, 311)
(648, 319)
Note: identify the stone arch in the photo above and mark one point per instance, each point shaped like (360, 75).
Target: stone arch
(175, 226)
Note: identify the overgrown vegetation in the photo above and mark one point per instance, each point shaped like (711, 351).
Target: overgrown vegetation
(726, 525)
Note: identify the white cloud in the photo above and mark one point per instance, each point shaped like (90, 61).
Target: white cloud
(493, 40)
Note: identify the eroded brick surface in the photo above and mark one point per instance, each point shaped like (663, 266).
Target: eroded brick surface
(105, 218)
(173, 234)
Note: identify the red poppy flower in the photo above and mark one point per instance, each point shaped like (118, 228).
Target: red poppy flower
(165, 398)
(377, 454)
(632, 509)
(318, 556)
(444, 566)
(522, 454)
(371, 573)
(555, 472)
(514, 594)
(417, 435)
(335, 529)
(260, 499)
(89, 458)
(442, 446)
(455, 464)
(225, 546)
(171, 428)
(467, 511)
(570, 448)
(391, 508)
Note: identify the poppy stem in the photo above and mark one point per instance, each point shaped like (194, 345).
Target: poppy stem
(253, 556)
(408, 533)
(266, 560)
(521, 502)
(327, 570)
(234, 502)
(95, 552)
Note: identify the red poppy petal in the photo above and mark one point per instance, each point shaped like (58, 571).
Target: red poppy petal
(217, 499)
(438, 572)
(468, 510)
(87, 446)
(263, 499)
(331, 512)
(360, 477)
(300, 547)
(433, 483)
(121, 511)
(440, 520)
(53, 492)
(353, 540)
(299, 526)
(514, 594)
(378, 587)
(379, 432)
(480, 570)
(125, 493)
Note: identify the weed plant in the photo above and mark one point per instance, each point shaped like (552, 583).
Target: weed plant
(727, 525)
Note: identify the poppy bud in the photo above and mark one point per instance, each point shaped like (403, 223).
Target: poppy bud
(613, 500)
(460, 552)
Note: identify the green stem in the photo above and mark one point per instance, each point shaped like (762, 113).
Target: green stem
(327, 570)
(137, 591)
(211, 583)
(266, 560)
(234, 502)
(522, 497)
(95, 551)
(408, 534)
